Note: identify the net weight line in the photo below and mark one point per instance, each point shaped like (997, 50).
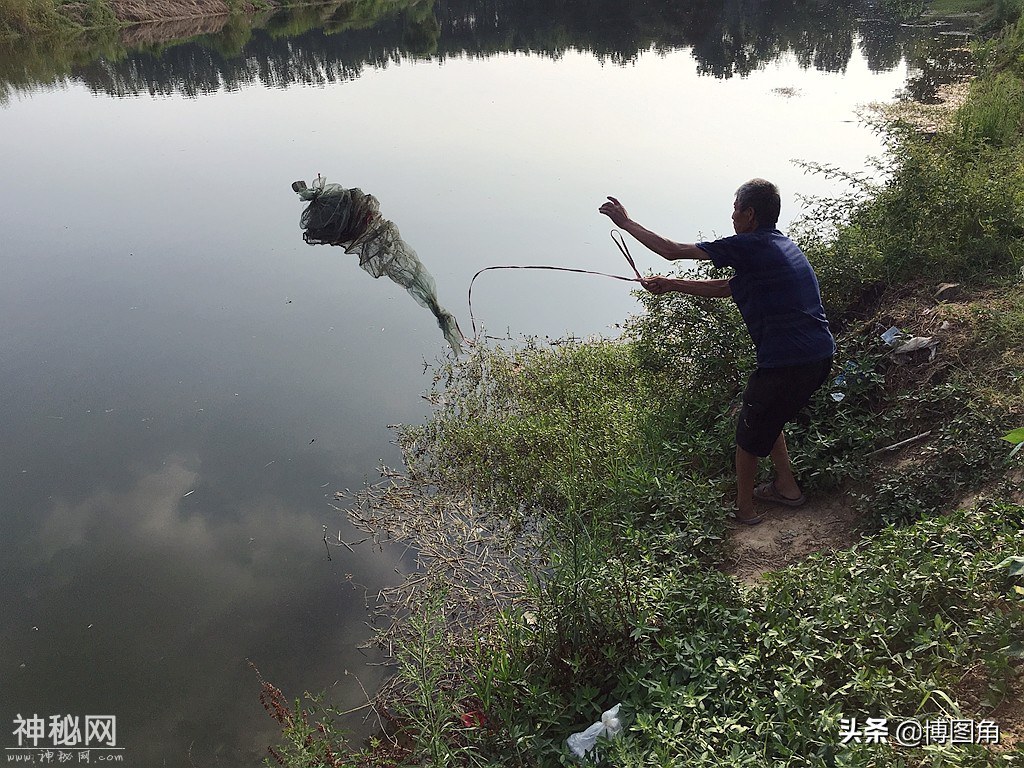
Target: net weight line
(616, 237)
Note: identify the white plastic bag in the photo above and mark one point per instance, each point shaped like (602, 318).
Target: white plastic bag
(584, 741)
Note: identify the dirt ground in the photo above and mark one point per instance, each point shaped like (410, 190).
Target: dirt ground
(790, 534)
(1009, 715)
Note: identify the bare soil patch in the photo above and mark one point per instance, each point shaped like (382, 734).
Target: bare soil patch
(788, 535)
(1007, 714)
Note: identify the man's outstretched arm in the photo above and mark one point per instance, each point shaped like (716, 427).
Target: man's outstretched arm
(712, 289)
(668, 249)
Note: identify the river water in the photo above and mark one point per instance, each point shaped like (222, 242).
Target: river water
(186, 383)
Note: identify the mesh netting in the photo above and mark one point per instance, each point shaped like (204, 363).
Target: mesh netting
(351, 218)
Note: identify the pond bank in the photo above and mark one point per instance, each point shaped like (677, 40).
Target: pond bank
(168, 20)
(617, 453)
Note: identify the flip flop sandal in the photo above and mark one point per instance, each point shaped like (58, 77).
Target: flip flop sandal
(768, 492)
(755, 520)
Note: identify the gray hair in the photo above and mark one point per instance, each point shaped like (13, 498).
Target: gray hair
(763, 197)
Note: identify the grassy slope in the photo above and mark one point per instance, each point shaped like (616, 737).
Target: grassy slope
(79, 21)
(955, 7)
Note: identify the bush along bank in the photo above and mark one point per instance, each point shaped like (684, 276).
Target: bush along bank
(90, 27)
(44, 43)
(616, 458)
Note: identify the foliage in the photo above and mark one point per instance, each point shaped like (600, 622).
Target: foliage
(433, 694)
(727, 39)
(710, 675)
(534, 426)
(994, 115)
(904, 10)
(309, 736)
(953, 213)
(875, 631)
(961, 454)
(628, 604)
(64, 17)
(953, 7)
(1016, 437)
(949, 204)
(699, 344)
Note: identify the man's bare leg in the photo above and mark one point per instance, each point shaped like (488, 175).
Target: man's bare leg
(746, 470)
(785, 482)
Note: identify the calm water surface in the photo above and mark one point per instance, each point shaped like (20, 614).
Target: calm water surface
(186, 384)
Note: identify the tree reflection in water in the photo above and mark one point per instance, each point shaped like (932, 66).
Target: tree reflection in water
(335, 42)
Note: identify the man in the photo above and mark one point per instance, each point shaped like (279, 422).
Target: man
(777, 294)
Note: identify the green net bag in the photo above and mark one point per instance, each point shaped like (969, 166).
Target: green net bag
(351, 219)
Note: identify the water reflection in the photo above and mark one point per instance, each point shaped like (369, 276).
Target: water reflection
(338, 41)
(138, 602)
(939, 61)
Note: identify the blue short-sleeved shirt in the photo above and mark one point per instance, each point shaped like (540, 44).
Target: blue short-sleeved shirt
(777, 294)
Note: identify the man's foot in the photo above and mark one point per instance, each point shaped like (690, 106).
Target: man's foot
(747, 519)
(768, 492)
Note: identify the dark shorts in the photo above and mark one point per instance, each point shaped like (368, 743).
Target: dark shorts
(773, 397)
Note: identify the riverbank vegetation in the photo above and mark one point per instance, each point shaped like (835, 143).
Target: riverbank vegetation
(617, 458)
(123, 47)
(58, 35)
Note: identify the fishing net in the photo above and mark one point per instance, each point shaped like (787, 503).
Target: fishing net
(351, 218)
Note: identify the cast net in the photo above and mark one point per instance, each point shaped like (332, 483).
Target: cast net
(351, 218)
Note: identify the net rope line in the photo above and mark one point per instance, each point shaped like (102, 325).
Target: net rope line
(616, 237)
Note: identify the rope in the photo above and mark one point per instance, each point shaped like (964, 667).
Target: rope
(618, 241)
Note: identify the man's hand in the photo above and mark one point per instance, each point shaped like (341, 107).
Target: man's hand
(614, 211)
(658, 284)
(662, 246)
(710, 289)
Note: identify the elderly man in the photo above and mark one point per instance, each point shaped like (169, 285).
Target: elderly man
(777, 294)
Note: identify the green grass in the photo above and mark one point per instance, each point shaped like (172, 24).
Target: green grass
(549, 424)
(955, 7)
(882, 630)
(25, 17)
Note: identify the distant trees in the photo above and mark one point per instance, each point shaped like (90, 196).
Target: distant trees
(337, 41)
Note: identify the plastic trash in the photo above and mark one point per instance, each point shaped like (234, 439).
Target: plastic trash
(911, 344)
(905, 344)
(915, 343)
(851, 374)
(583, 742)
(839, 382)
(893, 336)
